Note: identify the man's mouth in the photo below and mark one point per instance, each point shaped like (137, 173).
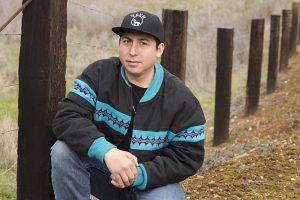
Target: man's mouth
(132, 61)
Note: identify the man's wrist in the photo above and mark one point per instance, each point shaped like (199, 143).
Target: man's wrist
(141, 179)
(99, 148)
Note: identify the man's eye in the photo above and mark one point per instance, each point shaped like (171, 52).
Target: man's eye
(144, 43)
(126, 41)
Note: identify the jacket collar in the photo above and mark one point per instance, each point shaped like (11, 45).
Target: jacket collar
(155, 85)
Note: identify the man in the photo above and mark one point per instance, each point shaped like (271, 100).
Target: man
(129, 129)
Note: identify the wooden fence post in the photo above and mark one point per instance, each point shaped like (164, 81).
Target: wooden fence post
(294, 29)
(273, 53)
(175, 23)
(42, 84)
(285, 39)
(254, 68)
(223, 84)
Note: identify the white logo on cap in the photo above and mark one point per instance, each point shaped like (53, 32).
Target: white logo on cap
(137, 19)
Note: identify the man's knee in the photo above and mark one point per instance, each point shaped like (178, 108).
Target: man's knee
(169, 192)
(60, 152)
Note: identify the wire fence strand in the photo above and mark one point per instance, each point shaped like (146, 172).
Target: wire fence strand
(6, 86)
(9, 131)
(10, 34)
(92, 9)
(79, 44)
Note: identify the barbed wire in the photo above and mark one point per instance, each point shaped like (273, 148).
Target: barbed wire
(78, 44)
(13, 85)
(4, 132)
(92, 9)
(10, 34)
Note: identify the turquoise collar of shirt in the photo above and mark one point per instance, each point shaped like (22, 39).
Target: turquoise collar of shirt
(155, 84)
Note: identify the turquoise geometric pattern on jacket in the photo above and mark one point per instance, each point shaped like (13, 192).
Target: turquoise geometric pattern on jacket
(113, 118)
(82, 89)
(150, 140)
(192, 134)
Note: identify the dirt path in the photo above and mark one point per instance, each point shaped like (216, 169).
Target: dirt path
(262, 158)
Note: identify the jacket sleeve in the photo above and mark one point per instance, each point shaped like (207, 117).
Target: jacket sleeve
(73, 122)
(183, 156)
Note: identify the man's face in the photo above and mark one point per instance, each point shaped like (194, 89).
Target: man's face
(138, 53)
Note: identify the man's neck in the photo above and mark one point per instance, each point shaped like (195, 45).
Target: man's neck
(143, 80)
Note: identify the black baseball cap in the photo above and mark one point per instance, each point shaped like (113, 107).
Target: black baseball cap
(142, 21)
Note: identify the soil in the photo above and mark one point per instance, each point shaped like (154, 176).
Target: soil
(261, 160)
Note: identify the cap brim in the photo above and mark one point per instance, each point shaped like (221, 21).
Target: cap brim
(120, 30)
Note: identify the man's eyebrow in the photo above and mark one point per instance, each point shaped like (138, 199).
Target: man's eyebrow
(146, 39)
(125, 37)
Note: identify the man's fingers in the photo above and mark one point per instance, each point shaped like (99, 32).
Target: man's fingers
(117, 181)
(114, 183)
(132, 158)
(125, 179)
(131, 174)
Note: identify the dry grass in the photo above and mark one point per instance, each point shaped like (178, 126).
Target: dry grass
(90, 37)
(8, 143)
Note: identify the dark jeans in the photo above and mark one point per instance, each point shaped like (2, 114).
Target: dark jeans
(76, 177)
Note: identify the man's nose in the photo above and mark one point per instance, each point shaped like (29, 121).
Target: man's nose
(133, 49)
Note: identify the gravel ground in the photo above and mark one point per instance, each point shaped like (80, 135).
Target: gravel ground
(261, 160)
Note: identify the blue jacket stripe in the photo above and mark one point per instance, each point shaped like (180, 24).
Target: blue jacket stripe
(114, 119)
(192, 134)
(150, 140)
(124, 76)
(155, 84)
(83, 90)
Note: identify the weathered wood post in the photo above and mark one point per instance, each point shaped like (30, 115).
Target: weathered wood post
(273, 53)
(285, 39)
(42, 85)
(294, 29)
(223, 84)
(175, 23)
(255, 64)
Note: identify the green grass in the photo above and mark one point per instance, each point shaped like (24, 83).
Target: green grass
(8, 184)
(238, 87)
(9, 109)
(9, 106)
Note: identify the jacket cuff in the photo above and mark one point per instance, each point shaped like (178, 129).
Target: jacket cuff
(141, 180)
(99, 148)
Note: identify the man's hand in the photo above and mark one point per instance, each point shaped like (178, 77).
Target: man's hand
(122, 166)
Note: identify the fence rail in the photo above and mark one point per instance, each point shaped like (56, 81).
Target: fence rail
(15, 14)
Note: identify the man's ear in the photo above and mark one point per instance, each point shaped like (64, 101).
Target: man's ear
(160, 50)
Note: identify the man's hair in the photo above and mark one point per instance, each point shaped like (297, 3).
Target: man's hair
(157, 42)
(156, 39)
